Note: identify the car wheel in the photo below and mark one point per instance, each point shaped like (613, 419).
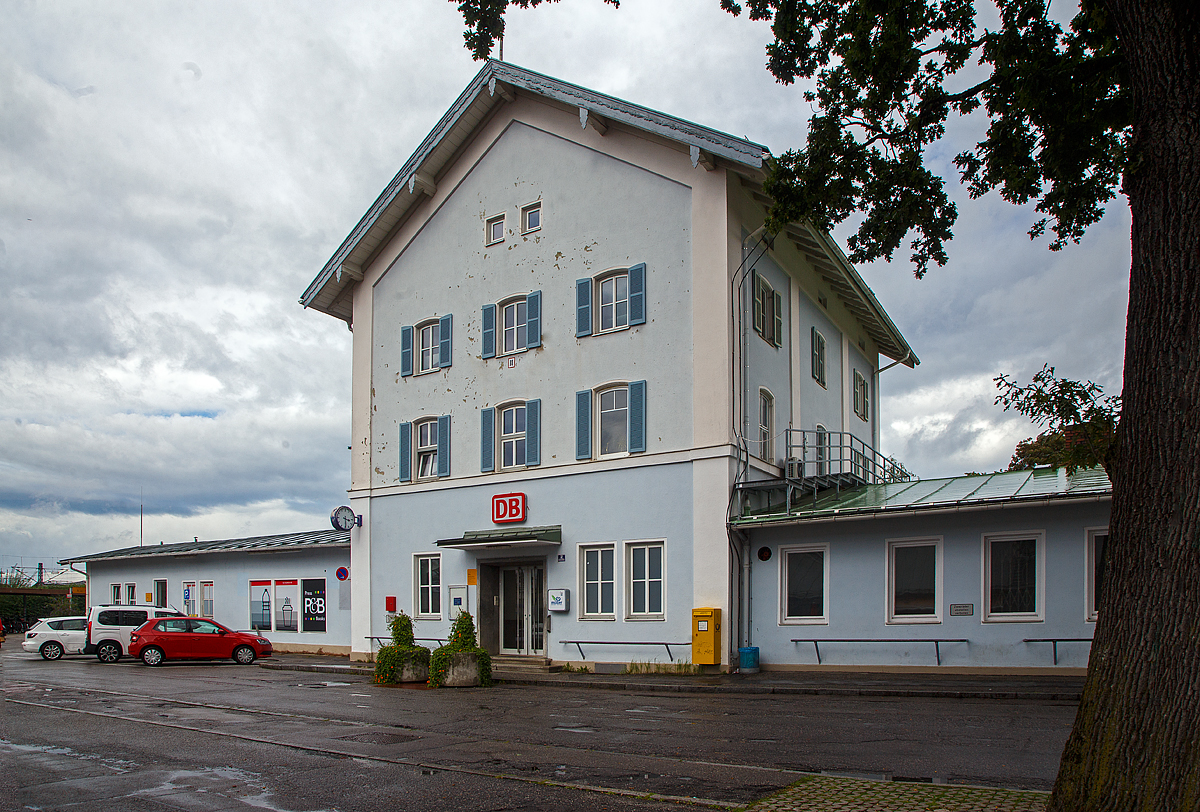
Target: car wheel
(152, 655)
(108, 652)
(52, 651)
(244, 655)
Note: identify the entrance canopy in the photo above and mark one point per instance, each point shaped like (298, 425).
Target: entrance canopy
(507, 538)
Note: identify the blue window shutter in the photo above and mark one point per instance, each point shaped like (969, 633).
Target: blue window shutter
(406, 452)
(533, 432)
(444, 445)
(406, 349)
(583, 307)
(533, 319)
(637, 294)
(637, 416)
(777, 308)
(812, 337)
(444, 328)
(487, 446)
(756, 294)
(583, 425)
(489, 331)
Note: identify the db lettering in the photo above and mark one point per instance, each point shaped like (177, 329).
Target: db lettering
(508, 507)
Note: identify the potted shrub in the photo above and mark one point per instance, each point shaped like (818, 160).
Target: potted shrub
(461, 663)
(403, 660)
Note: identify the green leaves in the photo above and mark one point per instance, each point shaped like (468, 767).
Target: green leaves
(485, 21)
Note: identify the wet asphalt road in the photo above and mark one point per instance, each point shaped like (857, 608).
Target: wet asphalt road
(77, 734)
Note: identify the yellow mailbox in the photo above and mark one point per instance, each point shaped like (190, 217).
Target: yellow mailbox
(706, 636)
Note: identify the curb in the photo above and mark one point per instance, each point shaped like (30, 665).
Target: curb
(690, 688)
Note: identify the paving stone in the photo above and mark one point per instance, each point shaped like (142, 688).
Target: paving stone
(821, 793)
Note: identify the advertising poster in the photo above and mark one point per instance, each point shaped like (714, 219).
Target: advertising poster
(314, 604)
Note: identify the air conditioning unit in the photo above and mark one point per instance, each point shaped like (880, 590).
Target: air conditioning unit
(795, 469)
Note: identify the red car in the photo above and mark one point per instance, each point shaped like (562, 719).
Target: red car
(193, 638)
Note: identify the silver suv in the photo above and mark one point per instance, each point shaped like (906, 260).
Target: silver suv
(109, 625)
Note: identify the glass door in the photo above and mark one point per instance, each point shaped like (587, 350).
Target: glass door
(523, 609)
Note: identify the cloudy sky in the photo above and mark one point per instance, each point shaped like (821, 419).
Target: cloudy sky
(172, 175)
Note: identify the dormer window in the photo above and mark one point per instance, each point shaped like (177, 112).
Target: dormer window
(531, 217)
(495, 230)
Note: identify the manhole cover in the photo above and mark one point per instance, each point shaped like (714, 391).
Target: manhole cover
(378, 738)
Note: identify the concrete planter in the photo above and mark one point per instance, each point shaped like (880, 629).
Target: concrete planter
(413, 672)
(463, 671)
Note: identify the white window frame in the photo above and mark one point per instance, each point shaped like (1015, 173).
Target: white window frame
(1090, 612)
(432, 329)
(630, 548)
(766, 320)
(131, 594)
(429, 450)
(525, 212)
(116, 590)
(584, 614)
(600, 282)
(189, 605)
(784, 619)
(208, 605)
(1038, 615)
(489, 230)
(512, 438)
(599, 432)
(519, 306)
(766, 425)
(420, 587)
(923, 541)
(862, 396)
(819, 355)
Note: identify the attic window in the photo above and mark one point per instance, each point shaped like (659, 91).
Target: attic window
(531, 218)
(495, 230)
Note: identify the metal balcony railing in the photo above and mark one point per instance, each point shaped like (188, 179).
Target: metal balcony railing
(839, 456)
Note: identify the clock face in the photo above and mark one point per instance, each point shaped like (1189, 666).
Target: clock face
(342, 518)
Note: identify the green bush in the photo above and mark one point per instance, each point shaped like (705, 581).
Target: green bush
(390, 661)
(462, 639)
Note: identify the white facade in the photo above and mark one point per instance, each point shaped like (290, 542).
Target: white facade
(666, 351)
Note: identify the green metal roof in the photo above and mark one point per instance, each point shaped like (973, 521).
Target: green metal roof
(506, 537)
(974, 491)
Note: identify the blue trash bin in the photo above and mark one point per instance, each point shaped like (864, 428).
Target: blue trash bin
(748, 660)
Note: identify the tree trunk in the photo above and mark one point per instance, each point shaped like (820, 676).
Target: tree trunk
(1136, 740)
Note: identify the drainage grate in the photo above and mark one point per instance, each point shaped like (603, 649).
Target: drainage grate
(378, 737)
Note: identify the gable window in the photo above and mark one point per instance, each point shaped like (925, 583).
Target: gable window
(495, 230)
(425, 449)
(862, 396)
(428, 579)
(1097, 547)
(645, 569)
(818, 356)
(766, 425)
(804, 584)
(914, 581)
(768, 312)
(432, 346)
(519, 427)
(531, 217)
(520, 326)
(1012, 566)
(619, 297)
(598, 582)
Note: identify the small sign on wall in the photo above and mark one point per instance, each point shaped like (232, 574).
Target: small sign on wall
(558, 600)
(508, 507)
(962, 609)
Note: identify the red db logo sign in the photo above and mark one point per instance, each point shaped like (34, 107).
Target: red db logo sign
(508, 507)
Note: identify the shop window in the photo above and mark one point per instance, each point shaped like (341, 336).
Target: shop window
(131, 594)
(619, 299)
(804, 586)
(207, 592)
(287, 605)
(261, 603)
(429, 587)
(1012, 566)
(598, 582)
(914, 581)
(1097, 548)
(190, 596)
(116, 594)
(644, 563)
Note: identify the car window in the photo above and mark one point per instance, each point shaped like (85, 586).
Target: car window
(205, 627)
(133, 618)
(37, 626)
(167, 614)
(53, 624)
(73, 624)
(110, 618)
(172, 625)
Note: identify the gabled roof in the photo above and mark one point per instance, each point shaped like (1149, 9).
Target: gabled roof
(317, 539)
(970, 492)
(493, 85)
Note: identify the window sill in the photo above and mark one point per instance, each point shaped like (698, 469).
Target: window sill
(605, 618)
(804, 621)
(531, 231)
(645, 618)
(510, 353)
(610, 330)
(820, 383)
(1013, 619)
(427, 617)
(913, 621)
(493, 242)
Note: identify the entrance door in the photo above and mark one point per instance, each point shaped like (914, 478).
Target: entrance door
(523, 609)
